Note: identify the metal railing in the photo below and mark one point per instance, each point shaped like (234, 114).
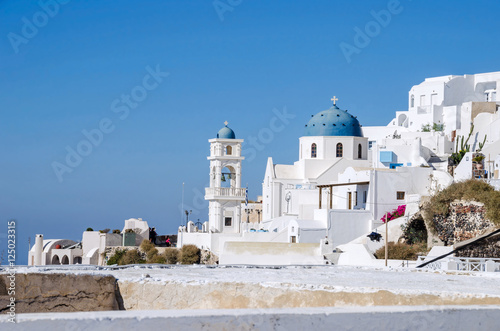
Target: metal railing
(477, 264)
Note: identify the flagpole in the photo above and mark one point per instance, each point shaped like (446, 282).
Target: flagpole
(182, 203)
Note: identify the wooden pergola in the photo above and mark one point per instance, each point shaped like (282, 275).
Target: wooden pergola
(330, 186)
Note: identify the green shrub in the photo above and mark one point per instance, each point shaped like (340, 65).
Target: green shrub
(117, 231)
(115, 258)
(131, 257)
(171, 255)
(415, 231)
(190, 254)
(402, 251)
(89, 229)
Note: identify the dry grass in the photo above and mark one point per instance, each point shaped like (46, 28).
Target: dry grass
(400, 251)
(171, 255)
(131, 257)
(190, 254)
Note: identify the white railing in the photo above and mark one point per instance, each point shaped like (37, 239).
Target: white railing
(225, 192)
(459, 263)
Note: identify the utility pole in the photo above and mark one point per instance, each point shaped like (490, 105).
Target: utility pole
(386, 240)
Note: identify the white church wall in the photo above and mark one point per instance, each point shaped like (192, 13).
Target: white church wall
(310, 168)
(295, 197)
(307, 210)
(331, 175)
(90, 240)
(271, 253)
(201, 240)
(346, 225)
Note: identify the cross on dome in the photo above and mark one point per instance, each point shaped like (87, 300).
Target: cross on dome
(334, 99)
(226, 123)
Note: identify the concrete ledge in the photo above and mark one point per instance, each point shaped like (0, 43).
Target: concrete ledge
(369, 318)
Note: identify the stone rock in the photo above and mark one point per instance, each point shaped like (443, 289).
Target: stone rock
(37, 292)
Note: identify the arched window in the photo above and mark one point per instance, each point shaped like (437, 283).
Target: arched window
(313, 151)
(412, 101)
(55, 260)
(360, 151)
(339, 150)
(229, 150)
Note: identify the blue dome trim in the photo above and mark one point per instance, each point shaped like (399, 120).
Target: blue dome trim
(226, 133)
(333, 122)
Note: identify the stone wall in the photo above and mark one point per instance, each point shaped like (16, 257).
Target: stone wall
(36, 293)
(466, 220)
(487, 248)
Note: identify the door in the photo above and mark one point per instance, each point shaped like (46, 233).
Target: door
(349, 199)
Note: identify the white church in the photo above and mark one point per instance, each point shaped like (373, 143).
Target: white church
(348, 176)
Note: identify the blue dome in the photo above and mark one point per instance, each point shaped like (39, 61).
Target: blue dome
(226, 133)
(333, 122)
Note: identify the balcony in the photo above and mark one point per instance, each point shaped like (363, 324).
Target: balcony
(229, 193)
(424, 109)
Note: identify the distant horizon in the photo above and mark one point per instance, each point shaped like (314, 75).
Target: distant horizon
(107, 109)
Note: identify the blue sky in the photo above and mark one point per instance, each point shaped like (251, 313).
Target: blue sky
(226, 60)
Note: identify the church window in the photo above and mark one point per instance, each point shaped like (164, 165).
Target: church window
(360, 151)
(229, 150)
(339, 150)
(228, 221)
(400, 195)
(412, 101)
(313, 151)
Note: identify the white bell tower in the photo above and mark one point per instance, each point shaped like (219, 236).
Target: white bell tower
(225, 193)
